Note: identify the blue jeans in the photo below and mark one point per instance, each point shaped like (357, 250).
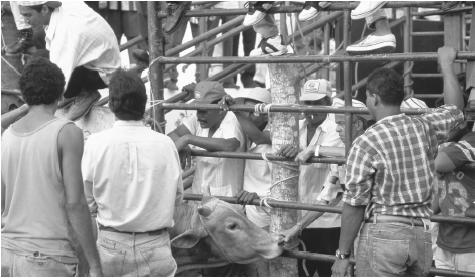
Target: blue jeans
(393, 249)
(124, 254)
(35, 264)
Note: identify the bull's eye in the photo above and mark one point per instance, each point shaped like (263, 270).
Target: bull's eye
(232, 226)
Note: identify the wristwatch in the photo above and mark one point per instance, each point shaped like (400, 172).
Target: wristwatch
(342, 256)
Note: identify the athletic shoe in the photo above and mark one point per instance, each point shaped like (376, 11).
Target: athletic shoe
(253, 18)
(270, 46)
(82, 104)
(366, 8)
(311, 10)
(373, 44)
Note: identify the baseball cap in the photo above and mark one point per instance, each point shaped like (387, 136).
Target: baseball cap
(207, 92)
(315, 90)
(338, 103)
(257, 94)
(413, 102)
(51, 4)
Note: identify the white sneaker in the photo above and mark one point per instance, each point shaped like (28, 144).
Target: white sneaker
(271, 46)
(366, 8)
(308, 13)
(373, 44)
(254, 18)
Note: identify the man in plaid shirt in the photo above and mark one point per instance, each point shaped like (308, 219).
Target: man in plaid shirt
(389, 178)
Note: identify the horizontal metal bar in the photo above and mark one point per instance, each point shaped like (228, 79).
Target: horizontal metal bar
(442, 12)
(131, 42)
(418, 56)
(428, 33)
(305, 255)
(294, 108)
(426, 75)
(312, 207)
(205, 36)
(269, 156)
(428, 95)
(296, 9)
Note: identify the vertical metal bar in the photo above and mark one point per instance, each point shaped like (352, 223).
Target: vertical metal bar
(156, 46)
(283, 27)
(347, 81)
(203, 68)
(326, 48)
(408, 49)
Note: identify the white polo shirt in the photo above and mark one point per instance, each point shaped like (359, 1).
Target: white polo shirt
(218, 175)
(313, 176)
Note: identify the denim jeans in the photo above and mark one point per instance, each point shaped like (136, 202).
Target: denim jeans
(393, 249)
(124, 254)
(35, 264)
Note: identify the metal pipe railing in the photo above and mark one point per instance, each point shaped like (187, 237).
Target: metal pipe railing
(419, 56)
(269, 156)
(295, 9)
(427, 33)
(323, 208)
(442, 12)
(283, 108)
(131, 43)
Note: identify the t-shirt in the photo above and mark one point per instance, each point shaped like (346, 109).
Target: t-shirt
(257, 178)
(313, 176)
(218, 176)
(456, 193)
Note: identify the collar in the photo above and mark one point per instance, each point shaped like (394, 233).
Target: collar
(389, 118)
(53, 22)
(128, 123)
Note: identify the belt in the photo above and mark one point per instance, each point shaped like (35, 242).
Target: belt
(151, 233)
(395, 219)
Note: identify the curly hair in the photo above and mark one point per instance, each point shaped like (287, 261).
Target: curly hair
(127, 96)
(41, 82)
(388, 85)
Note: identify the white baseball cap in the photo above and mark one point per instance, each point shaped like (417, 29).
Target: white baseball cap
(338, 103)
(51, 4)
(315, 90)
(257, 94)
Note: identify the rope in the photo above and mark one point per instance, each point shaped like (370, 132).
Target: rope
(11, 66)
(304, 261)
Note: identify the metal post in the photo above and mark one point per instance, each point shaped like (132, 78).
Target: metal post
(407, 49)
(285, 130)
(326, 48)
(156, 46)
(347, 82)
(203, 69)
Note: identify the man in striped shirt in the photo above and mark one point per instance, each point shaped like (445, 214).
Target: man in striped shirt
(389, 178)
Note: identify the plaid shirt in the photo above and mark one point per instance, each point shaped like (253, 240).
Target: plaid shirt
(390, 167)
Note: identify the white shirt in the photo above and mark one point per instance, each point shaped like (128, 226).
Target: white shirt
(313, 176)
(78, 36)
(132, 177)
(257, 178)
(218, 175)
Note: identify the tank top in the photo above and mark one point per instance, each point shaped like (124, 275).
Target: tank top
(34, 217)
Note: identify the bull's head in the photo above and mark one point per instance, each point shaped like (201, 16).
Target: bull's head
(232, 236)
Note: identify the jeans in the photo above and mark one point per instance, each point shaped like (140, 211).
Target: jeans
(393, 249)
(445, 259)
(35, 264)
(124, 254)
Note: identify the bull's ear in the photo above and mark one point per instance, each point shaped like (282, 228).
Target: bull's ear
(189, 238)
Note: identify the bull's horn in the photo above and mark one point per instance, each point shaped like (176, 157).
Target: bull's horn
(204, 211)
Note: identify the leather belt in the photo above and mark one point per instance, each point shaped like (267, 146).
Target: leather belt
(395, 219)
(151, 233)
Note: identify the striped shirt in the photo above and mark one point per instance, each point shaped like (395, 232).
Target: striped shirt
(390, 167)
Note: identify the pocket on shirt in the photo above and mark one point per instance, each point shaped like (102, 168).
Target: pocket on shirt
(221, 190)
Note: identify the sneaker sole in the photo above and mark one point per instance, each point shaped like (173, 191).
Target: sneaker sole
(368, 13)
(308, 18)
(378, 48)
(254, 23)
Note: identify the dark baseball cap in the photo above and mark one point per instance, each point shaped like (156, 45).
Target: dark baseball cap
(207, 92)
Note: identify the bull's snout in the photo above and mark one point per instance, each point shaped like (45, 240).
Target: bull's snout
(269, 248)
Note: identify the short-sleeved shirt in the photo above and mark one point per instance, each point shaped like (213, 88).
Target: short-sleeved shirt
(218, 176)
(390, 167)
(313, 176)
(456, 194)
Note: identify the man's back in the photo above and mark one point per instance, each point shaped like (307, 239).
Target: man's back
(34, 191)
(134, 175)
(397, 155)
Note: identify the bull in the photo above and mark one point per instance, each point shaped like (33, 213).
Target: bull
(217, 233)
